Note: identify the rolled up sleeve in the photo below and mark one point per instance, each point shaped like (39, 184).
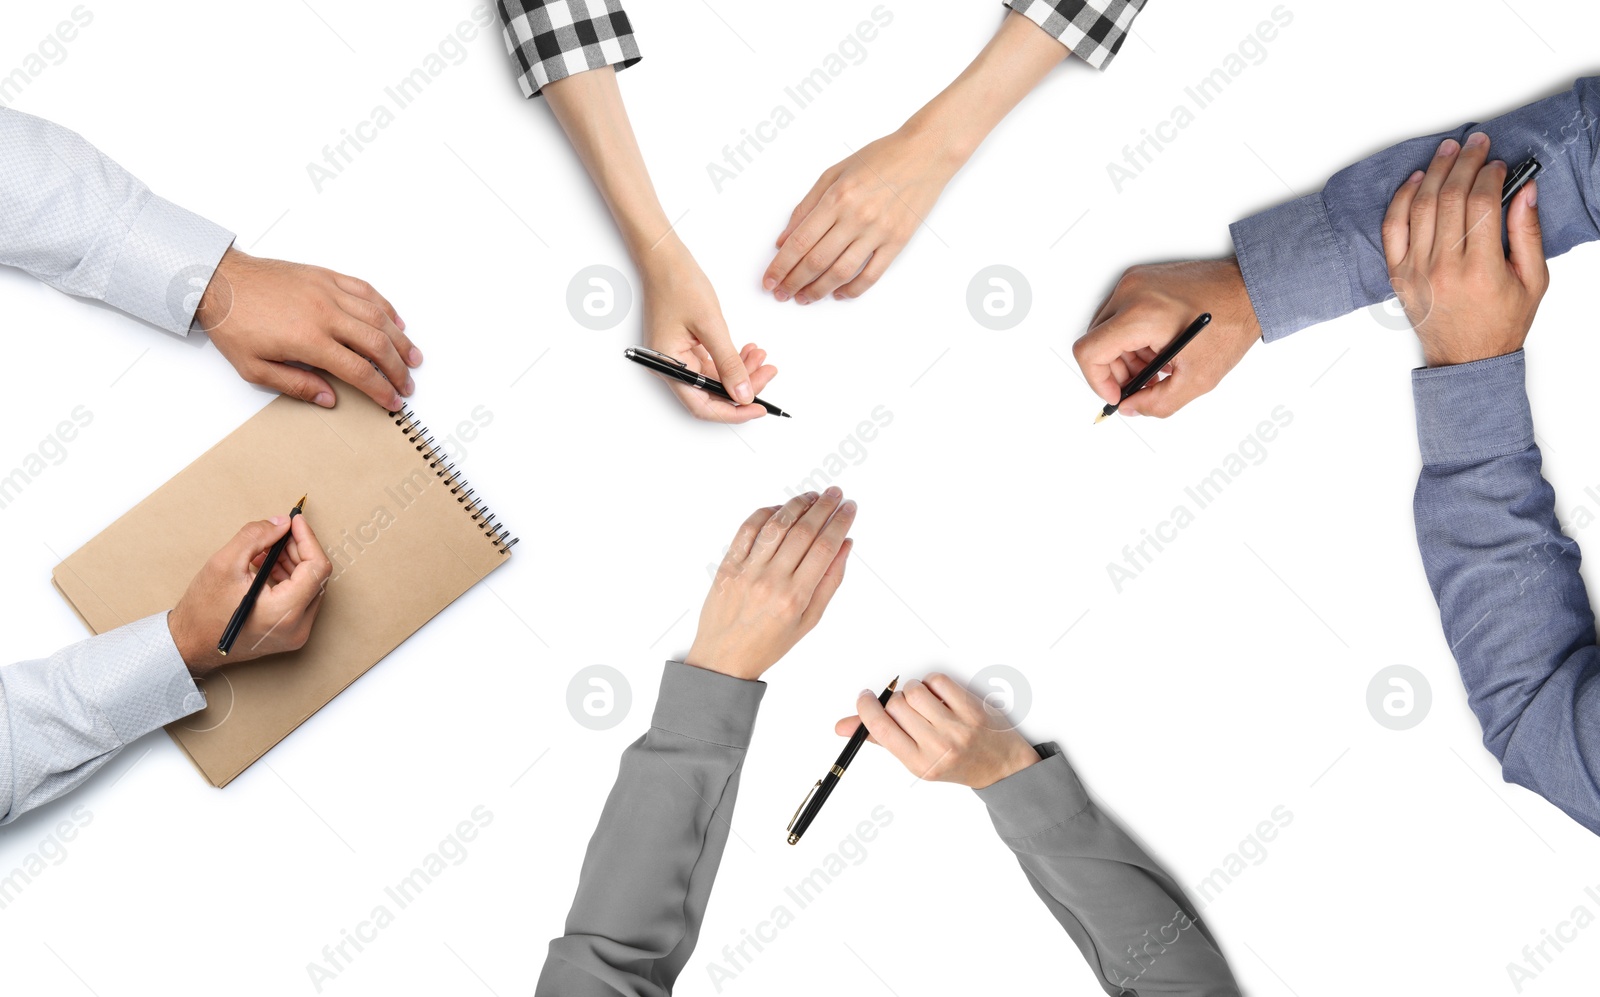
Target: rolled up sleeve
(554, 39)
(1093, 32)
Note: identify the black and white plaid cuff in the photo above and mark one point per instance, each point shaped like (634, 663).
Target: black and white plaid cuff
(553, 39)
(1092, 31)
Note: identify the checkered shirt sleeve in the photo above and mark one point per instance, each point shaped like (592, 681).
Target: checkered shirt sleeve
(554, 39)
(1092, 30)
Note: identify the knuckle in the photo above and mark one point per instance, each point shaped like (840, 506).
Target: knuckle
(817, 262)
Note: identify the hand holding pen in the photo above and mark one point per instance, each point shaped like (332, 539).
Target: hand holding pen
(942, 733)
(284, 610)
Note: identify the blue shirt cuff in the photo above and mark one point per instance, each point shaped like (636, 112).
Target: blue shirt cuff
(167, 258)
(707, 705)
(1473, 411)
(1293, 267)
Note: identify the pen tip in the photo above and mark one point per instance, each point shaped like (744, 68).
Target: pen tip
(893, 683)
(302, 503)
(1099, 418)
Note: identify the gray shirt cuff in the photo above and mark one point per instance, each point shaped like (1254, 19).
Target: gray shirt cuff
(165, 261)
(1293, 267)
(1474, 411)
(1036, 799)
(707, 705)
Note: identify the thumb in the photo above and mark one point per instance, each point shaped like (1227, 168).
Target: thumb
(296, 382)
(1526, 237)
(730, 366)
(847, 726)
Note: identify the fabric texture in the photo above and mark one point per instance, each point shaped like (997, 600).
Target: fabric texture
(1092, 30)
(63, 717)
(73, 218)
(554, 39)
(1514, 608)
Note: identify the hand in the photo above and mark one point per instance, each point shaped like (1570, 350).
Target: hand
(941, 732)
(1147, 309)
(858, 216)
(784, 566)
(683, 319)
(1441, 238)
(284, 612)
(265, 315)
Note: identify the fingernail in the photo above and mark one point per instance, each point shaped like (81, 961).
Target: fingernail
(810, 496)
(802, 299)
(1477, 139)
(1415, 177)
(781, 295)
(769, 283)
(742, 393)
(400, 323)
(278, 520)
(1448, 147)
(415, 356)
(395, 404)
(865, 692)
(1533, 196)
(849, 506)
(834, 491)
(324, 398)
(837, 296)
(411, 386)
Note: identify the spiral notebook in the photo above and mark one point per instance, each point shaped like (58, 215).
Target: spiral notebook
(404, 532)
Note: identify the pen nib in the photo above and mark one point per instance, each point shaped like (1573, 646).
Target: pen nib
(1099, 418)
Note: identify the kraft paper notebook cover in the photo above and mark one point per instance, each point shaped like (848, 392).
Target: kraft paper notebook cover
(406, 536)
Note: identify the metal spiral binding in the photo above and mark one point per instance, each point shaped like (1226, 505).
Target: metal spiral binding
(417, 434)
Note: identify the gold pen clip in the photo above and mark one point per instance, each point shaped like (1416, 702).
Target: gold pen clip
(809, 793)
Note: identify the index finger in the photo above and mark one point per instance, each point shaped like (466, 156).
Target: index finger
(1483, 232)
(1099, 350)
(884, 729)
(1397, 222)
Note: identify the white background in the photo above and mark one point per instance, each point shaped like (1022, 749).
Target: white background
(1228, 679)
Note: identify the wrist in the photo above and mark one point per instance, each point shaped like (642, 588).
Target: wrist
(945, 136)
(217, 300)
(198, 656)
(1020, 756)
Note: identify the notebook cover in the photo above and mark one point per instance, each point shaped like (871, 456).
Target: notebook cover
(404, 538)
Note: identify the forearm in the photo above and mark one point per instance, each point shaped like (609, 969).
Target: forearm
(1512, 603)
(1134, 926)
(647, 875)
(63, 717)
(74, 219)
(957, 121)
(1321, 256)
(590, 109)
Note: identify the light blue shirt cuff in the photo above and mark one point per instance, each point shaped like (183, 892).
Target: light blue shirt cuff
(166, 260)
(1474, 411)
(707, 705)
(1292, 265)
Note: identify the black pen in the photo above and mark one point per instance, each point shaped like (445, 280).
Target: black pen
(236, 624)
(1518, 179)
(1163, 358)
(812, 804)
(679, 371)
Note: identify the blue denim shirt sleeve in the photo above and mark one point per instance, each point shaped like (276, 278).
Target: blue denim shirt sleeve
(1321, 256)
(1515, 611)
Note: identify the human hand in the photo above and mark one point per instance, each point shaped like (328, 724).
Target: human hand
(284, 611)
(782, 569)
(1441, 238)
(683, 319)
(1147, 309)
(265, 315)
(941, 733)
(858, 216)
